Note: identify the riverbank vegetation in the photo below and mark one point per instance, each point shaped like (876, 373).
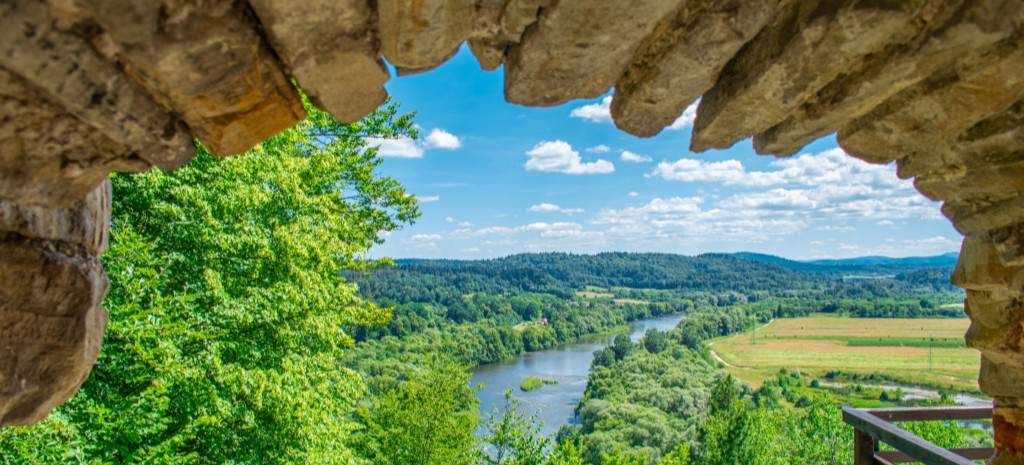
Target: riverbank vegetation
(531, 383)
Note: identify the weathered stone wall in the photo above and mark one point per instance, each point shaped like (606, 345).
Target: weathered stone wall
(88, 88)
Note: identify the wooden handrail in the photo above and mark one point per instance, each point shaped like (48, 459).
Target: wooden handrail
(873, 425)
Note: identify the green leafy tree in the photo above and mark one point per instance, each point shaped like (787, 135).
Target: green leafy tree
(427, 420)
(515, 438)
(565, 453)
(228, 312)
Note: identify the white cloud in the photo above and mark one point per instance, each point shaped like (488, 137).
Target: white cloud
(428, 198)
(545, 207)
(830, 184)
(630, 156)
(596, 112)
(689, 170)
(441, 139)
(425, 237)
(885, 223)
(550, 207)
(835, 228)
(471, 250)
(634, 194)
(403, 147)
(449, 219)
(599, 149)
(559, 157)
(465, 224)
(686, 220)
(686, 119)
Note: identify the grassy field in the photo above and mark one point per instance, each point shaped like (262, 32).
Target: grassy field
(897, 348)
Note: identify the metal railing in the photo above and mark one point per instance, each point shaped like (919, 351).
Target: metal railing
(874, 425)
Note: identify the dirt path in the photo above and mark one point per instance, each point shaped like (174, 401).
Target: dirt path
(711, 348)
(720, 359)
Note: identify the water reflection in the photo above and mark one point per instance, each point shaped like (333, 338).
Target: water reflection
(568, 364)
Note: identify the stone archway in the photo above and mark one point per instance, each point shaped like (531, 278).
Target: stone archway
(88, 88)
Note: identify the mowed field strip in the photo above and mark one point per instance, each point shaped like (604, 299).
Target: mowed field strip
(818, 344)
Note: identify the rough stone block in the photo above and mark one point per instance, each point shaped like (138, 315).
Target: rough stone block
(1000, 380)
(787, 63)
(48, 156)
(73, 116)
(682, 59)
(940, 32)
(331, 49)
(419, 35)
(941, 108)
(51, 318)
(206, 61)
(978, 268)
(976, 216)
(1008, 426)
(579, 49)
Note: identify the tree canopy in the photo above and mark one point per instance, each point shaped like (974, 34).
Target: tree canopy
(228, 309)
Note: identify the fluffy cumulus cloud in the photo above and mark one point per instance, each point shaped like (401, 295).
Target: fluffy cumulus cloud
(596, 112)
(405, 147)
(600, 148)
(632, 157)
(559, 157)
(441, 139)
(830, 184)
(428, 198)
(550, 207)
(688, 219)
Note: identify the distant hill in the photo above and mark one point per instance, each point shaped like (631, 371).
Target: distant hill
(948, 259)
(873, 265)
(562, 274)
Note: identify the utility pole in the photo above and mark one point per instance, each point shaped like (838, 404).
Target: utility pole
(930, 341)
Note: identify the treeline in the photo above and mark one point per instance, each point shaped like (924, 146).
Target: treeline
(510, 290)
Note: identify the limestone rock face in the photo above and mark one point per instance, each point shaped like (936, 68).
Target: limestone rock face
(808, 46)
(579, 49)
(332, 50)
(51, 316)
(70, 117)
(205, 60)
(995, 291)
(419, 35)
(682, 59)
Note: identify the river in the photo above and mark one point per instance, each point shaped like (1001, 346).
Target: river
(568, 364)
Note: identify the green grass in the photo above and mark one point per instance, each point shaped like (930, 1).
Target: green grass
(892, 348)
(534, 382)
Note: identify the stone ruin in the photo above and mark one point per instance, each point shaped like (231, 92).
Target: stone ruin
(92, 87)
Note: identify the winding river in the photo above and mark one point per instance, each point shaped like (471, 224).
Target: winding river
(568, 364)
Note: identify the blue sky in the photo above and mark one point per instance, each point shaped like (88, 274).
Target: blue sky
(495, 179)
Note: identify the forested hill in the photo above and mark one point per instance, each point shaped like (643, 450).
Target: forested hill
(859, 265)
(562, 274)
